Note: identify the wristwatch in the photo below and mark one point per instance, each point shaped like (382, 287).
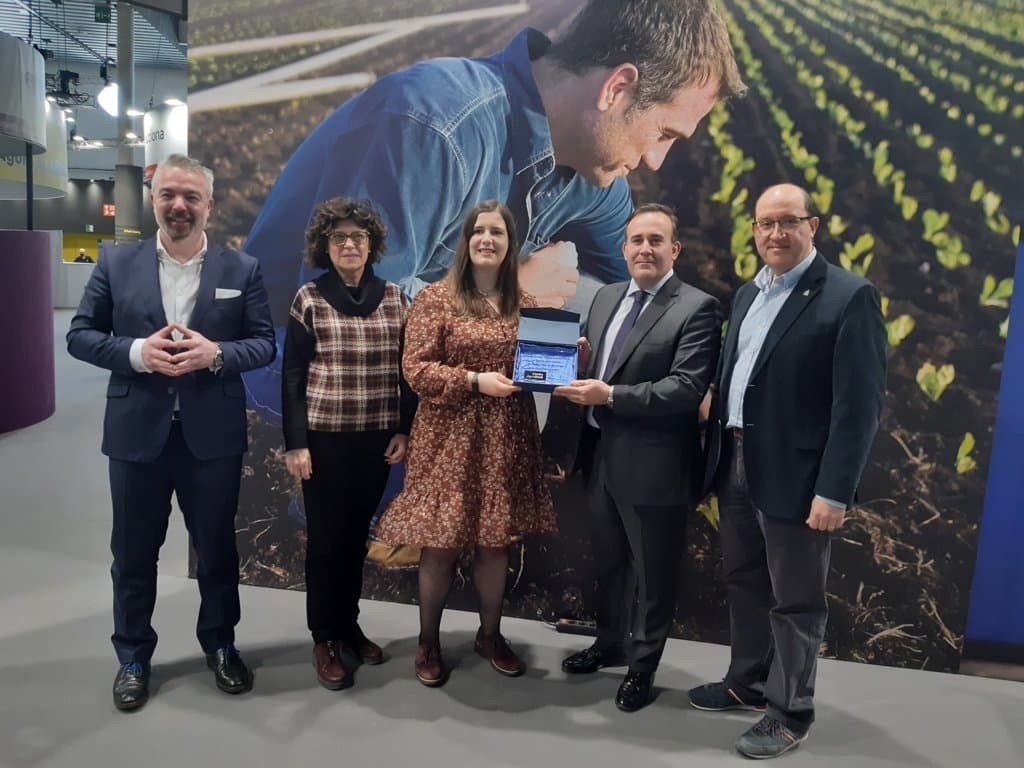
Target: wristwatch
(610, 402)
(218, 361)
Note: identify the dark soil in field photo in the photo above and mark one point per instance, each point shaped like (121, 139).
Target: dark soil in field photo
(903, 563)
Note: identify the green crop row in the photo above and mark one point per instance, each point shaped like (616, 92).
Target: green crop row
(955, 36)
(995, 218)
(948, 247)
(1007, 24)
(856, 256)
(730, 192)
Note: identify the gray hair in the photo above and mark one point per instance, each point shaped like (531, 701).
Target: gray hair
(186, 163)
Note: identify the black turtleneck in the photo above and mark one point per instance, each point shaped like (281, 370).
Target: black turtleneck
(360, 300)
(300, 348)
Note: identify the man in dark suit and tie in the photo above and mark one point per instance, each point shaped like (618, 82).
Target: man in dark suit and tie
(793, 414)
(176, 319)
(657, 341)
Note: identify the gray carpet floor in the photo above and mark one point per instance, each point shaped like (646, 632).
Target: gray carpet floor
(56, 665)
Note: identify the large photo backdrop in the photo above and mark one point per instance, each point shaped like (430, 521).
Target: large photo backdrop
(904, 118)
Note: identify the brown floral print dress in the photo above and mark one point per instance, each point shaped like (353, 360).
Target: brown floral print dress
(474, 467)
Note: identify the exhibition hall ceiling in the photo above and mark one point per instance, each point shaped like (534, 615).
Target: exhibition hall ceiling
(75, 45)
(69, 31)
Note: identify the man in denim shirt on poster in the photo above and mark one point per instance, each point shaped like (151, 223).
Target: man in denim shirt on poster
(551, 129)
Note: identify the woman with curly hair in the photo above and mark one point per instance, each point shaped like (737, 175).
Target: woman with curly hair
(346, 412)
(474, 477)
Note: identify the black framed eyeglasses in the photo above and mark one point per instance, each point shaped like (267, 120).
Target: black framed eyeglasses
(358, 238)
(786, 224)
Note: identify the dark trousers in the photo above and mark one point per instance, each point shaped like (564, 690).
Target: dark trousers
(775, 573)
(637, 550)
(207, 493)
(349, 475)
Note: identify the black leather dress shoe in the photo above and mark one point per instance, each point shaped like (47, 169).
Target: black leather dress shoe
(131, 686)
(635, 691)
(229, 670)
(590, 660)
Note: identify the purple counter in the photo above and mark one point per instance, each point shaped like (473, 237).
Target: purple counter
(26, 317)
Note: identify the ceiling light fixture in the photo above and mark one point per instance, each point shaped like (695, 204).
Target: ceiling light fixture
(108, 97)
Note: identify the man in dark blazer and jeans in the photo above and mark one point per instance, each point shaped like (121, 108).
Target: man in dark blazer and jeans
(793, 414)
(176, 320)
(656, 342)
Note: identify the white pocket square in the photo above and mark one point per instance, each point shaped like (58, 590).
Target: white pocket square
(227, 293)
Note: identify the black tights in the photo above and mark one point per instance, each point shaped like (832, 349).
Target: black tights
(437, 566)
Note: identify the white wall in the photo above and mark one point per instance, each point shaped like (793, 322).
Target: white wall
(151, 85)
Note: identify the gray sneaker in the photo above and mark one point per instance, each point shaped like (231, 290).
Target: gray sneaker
(719, 697)
(768, 738)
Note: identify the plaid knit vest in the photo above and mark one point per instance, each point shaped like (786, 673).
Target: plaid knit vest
(354, 375)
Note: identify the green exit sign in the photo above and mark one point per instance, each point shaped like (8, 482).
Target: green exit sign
(102, 13)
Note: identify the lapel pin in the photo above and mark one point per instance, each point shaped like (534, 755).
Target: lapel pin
(807, 291)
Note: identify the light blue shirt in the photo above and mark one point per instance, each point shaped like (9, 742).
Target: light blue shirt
(773, 292)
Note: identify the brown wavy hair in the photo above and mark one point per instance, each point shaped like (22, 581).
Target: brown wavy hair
(468, 300)
(332, 212)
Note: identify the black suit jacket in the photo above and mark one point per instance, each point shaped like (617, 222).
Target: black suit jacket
(122, 302)
(649, 438)
(815, 395)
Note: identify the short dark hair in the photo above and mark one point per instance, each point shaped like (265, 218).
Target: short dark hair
(667, 210)
(329, 214)
(460, 276)
(673, 44)
(810, 206)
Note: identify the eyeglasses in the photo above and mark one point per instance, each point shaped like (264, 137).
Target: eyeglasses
(357, 238)
(786, 224)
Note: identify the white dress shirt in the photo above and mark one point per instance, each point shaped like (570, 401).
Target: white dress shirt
(179, 286)
(616, 323)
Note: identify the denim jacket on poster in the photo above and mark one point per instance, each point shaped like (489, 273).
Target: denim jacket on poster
(424, 145)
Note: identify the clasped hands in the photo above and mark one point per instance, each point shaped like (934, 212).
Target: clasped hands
(162, 353)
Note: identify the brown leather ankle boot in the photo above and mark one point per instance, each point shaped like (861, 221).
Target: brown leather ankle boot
(496, 649)
(327, 662)
(364, 647)
(430, 668)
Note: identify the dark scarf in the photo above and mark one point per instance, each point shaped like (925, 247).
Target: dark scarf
(360, 300)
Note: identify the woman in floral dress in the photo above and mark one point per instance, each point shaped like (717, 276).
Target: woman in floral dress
(474, 473)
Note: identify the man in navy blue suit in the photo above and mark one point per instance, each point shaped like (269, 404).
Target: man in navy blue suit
(176, 319)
